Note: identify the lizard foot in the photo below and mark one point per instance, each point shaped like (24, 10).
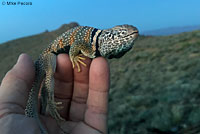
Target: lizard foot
(53, 111)
(76, 60)
(59, 107)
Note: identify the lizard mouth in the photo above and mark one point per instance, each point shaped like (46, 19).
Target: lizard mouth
(133, 33)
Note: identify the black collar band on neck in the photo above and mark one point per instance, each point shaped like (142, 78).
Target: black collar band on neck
(97, 53)
(93, 34)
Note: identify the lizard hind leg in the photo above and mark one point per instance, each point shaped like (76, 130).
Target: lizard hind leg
(43, 99)
(50, 67)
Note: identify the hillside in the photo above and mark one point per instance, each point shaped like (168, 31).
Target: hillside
(171, 30)
(155, 88)
(32, 45)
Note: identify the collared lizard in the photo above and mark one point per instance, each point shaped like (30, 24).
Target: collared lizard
(79, 41)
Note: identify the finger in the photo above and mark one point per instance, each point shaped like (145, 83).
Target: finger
(16, 85)
(80, 92)
(97, 103)
(63, 83)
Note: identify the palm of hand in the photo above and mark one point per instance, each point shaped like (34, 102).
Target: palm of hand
(83, 95)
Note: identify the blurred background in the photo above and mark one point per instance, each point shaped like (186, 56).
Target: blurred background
(155, 88)
(145, 14)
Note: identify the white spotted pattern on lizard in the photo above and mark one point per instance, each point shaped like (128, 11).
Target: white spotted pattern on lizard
(81, 40)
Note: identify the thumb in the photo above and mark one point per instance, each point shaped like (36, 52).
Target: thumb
(16, 85)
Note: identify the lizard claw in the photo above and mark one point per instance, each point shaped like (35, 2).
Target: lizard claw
(72, 64)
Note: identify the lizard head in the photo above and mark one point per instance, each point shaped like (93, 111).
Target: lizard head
(116, 41)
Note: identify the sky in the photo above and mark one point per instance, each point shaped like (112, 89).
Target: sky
(24, 20)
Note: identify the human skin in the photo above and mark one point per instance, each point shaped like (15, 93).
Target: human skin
(84, 97)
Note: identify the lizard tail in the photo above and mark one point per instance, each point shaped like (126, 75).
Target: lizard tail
(32, 104)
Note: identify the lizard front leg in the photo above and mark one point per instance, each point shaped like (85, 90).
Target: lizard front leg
(77, 50)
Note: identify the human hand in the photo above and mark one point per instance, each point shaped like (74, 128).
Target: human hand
(84, 96)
